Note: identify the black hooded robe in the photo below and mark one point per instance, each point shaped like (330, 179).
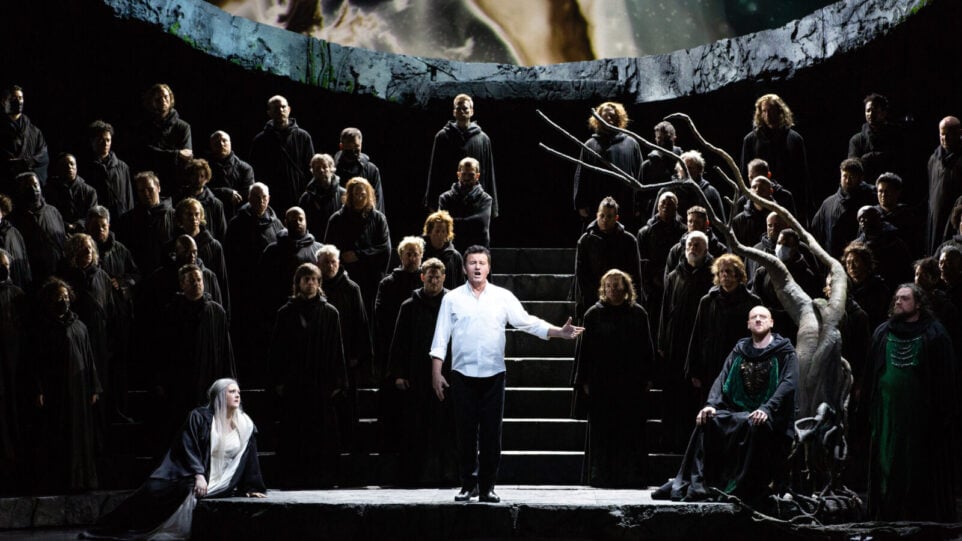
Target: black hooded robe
(428, 441)
(307, 362)
(614, 358)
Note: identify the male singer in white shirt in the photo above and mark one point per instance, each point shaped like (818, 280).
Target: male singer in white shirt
(474, 316)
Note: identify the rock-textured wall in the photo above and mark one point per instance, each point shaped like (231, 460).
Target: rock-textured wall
(767, 55)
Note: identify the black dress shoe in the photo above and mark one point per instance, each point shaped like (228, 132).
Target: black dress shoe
(489, 496)
(466, 494)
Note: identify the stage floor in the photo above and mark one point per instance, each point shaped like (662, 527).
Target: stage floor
(528, 512)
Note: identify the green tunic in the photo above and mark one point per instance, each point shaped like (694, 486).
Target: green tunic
(913, 408)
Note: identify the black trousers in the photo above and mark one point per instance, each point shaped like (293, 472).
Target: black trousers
(478, 410)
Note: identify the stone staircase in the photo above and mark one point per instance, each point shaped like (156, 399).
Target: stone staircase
(542, 444)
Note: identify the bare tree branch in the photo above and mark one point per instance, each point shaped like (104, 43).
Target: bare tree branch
(621, 175)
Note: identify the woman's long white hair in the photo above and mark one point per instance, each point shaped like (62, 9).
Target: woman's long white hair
(217, 396)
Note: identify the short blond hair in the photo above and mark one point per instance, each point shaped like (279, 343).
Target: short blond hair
(407, 242)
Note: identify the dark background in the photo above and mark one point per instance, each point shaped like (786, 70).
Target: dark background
(77, 64)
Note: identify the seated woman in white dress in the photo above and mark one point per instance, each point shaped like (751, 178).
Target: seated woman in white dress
(214, 455)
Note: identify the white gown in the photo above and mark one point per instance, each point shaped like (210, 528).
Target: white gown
(226, 451)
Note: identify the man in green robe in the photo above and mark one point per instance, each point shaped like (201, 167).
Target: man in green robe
(745, 428)
(913, 407)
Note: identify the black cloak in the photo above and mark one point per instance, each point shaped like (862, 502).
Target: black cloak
(615, 358)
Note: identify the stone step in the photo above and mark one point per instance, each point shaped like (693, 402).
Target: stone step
(538, 371)
(536, 287)
(551, 434)
(533, 260)
(539, 402)
(564, 467)
(521, 344)
(554, 312)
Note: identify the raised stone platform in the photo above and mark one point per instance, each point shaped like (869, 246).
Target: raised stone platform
(525, 512)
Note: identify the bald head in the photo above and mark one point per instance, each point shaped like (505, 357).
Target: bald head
(185, 250)
(950, 134)
(296, 222)
(760, 322)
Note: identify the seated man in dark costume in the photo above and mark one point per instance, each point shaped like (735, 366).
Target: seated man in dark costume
(747, 422)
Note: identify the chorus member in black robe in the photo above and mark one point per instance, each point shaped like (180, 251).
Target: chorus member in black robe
(231, 177)
(469, 207)
(458, 139)
(190, 218)
(345, 295)
(688, 194)
(308, 371)
(393, 290)
(117, 261)
(163, 139)
(944, 180)
(749, 224)
(773, 140)
(892, 256)
(280, 154)
(655, 240)
(161, 286)
(912, 396)
(865, 285)
(107, 173)
(950, 268)
(604, 246)
(908, 219)
(361, 233)
(955, 225)
(149, 226)
(213, 455)
(22, 146)
(65, 390)
(294, 246)
(786, 250)
(438, 235)
(67, 191)
(12, 306)
(774, 225)
(323, 196)
(657, 166)
(744, 431)
(350, 162)
(12, 241)
(613, 368)
(93, 301)
(836, 222)
(621, 151)
(197, 175)
(42, 228)
(427, 440)
(252, 230)
(696, 219)
(717, 325)
(685, 286)
(880, 145)
(780, 194)
(927, 277)
(194, 343)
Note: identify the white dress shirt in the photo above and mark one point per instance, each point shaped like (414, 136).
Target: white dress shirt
(477, 325)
